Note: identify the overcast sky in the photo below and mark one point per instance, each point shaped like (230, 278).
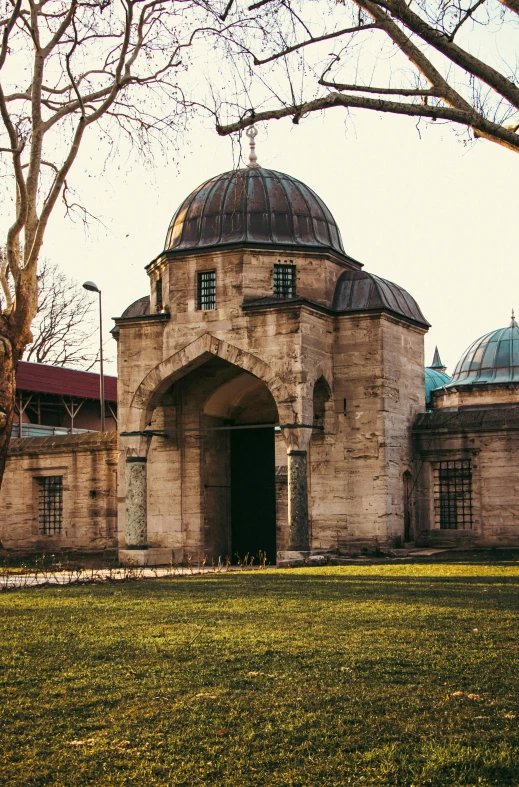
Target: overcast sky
(418, 208)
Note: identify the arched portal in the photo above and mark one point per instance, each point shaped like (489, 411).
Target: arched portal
(247, 411)
(219, 421)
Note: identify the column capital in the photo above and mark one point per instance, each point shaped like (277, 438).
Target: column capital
(297, 439)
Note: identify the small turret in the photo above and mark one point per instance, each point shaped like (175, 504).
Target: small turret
(435, 377)
(437, 362)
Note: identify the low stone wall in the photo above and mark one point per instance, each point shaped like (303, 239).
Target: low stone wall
(81, 515)
(487, 439)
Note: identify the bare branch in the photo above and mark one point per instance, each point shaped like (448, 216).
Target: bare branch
(337, 34)
(228, 7)
(9, 24)
(471, 119)
(56, 38)
(400, 10)
(259, 4)
(65, 322)
(388, 91)
(513, 5)
(69, 71)
(466, 15)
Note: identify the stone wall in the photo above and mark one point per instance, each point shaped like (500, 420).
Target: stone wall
(489, 439)
(371, 366)
(358, 461)
(88, 465)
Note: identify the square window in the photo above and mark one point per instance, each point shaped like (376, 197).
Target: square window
(284, 281)
(453, 495)
(50, 504)
(207, 290)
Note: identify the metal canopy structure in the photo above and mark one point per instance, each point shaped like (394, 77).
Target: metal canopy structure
(51, 395)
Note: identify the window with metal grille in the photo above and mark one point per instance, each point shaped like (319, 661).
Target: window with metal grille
(453, 495)
(207, 290)
(50, 504)
(158, 295)
(285, 281)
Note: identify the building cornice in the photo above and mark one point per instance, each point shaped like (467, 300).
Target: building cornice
(345, 261)
(158, 317)
(445, 390)
(85, 441)
(279, 304)
(468, 419)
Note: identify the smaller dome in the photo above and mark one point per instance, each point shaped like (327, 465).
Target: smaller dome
(493, 358)
(139, 308)
(434, 379)
(359, 291)
(435, 376)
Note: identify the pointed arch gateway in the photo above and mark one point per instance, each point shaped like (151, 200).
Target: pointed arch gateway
(186, 360)
(218, 453)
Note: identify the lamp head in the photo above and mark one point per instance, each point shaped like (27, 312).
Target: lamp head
(91, 286)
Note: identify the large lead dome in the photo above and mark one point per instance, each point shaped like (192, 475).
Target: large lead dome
(493, 358)
(253, 206)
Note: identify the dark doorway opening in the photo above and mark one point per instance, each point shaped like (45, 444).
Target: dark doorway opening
(253, 494)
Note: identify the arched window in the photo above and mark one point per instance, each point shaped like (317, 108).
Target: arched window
(322, 395)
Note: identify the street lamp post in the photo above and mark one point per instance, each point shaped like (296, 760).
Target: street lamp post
(91, 287)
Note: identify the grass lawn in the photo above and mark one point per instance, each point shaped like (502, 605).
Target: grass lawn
(357, 675)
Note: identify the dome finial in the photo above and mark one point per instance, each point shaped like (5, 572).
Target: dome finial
(513, 323)
(252, 133)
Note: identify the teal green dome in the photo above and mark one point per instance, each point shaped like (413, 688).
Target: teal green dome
(493, 358)
(435, 376)
(434, 379)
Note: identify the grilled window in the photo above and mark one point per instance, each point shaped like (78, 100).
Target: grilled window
(158, 295)
(453, 495)
(285, 281)
(207, 290)
(50, 504)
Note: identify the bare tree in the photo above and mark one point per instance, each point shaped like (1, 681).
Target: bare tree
(65, 323)
(67, 66)
(447, 60)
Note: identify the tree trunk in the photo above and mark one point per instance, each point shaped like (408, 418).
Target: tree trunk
(9, 357)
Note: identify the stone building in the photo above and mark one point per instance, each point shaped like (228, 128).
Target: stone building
(59, 486)
(267, 385)
(272, 400)
(467, 484)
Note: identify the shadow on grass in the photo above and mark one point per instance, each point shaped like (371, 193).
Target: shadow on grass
(454, 592)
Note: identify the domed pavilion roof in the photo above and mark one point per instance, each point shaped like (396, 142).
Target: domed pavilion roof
(360, 291)
(253, 206)
(139, 308)
(493, 358)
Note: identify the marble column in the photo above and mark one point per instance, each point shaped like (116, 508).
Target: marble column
(298, 501)
(136, 503)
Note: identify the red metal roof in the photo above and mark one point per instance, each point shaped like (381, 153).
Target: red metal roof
(43, 378)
